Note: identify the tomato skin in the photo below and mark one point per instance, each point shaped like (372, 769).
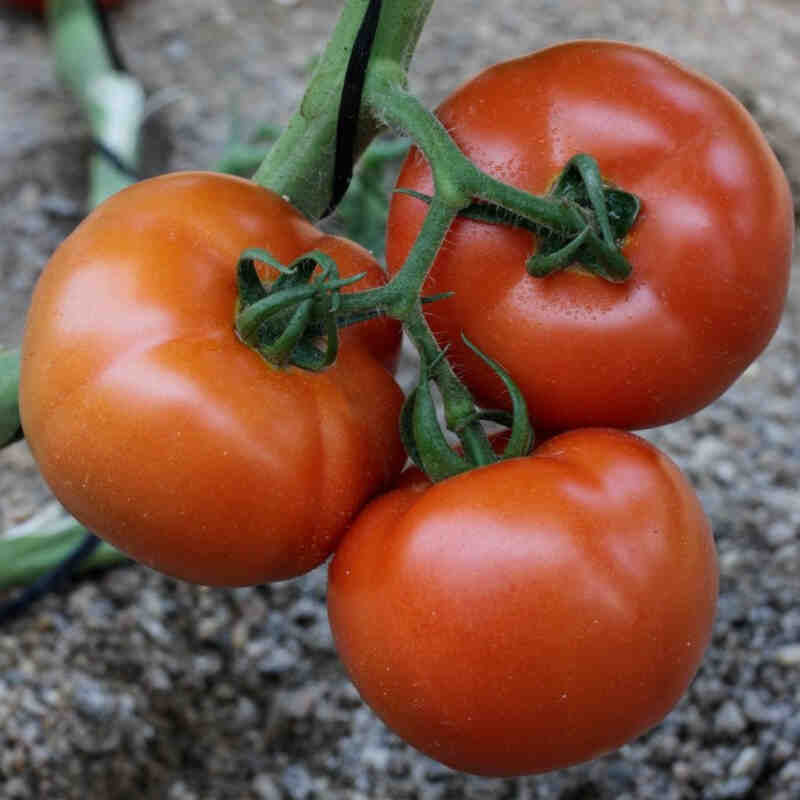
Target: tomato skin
(163, 433)
(531, 614)
(711, 249)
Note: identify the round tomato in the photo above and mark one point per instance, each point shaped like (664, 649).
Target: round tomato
(531, 614)
(159, 429)
(710, 250)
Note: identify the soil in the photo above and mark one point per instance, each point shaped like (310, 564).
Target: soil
(131, 685)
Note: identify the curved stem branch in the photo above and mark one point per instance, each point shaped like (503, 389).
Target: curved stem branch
(459, 405)
(456, 178)
(399, 297)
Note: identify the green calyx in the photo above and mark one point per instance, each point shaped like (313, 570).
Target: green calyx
(293, 320)
(607, 213)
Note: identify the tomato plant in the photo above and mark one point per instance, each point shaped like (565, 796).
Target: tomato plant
(710, 250)
(159, 429)
(533, 613)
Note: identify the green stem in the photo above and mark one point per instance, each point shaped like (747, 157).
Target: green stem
(400, 299)
(300, 163)
(77, 44)
(10, 429)
(406, 286)
(115, 118)
(113, 101)
(25, 558)
(459, 405)
(455, 177)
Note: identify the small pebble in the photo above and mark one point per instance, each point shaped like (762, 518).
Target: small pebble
(748, 762)
(729, 720)
(297, 782)
(265, 788)
(93, 700)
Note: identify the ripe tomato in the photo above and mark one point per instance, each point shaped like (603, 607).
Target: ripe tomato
(711, 248)
(163, 433)
(531, 614)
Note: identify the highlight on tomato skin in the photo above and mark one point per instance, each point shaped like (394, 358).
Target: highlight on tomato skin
(710, 250)
(159, 430)
(532, 614)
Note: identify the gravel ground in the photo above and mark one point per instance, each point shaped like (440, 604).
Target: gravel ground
(131, 685)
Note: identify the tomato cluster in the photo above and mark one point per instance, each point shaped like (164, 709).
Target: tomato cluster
(518, 617)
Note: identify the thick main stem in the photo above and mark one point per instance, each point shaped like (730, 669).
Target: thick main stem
(113, 101)
(300, 164)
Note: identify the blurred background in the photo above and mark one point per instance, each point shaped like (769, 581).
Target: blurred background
(131, 685)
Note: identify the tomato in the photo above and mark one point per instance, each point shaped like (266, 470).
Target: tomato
(710, 250)
(531, 614)
(159, 429)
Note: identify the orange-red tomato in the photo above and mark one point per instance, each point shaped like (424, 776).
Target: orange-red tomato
(159, 429)
(531, 614)
(711, 248)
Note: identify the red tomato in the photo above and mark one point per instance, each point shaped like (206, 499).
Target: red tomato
(531, 614)
(711, 249)
(163, 433)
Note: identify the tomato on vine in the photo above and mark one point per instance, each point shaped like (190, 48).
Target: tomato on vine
(710, 250)
(160, 430)
(530, 614)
